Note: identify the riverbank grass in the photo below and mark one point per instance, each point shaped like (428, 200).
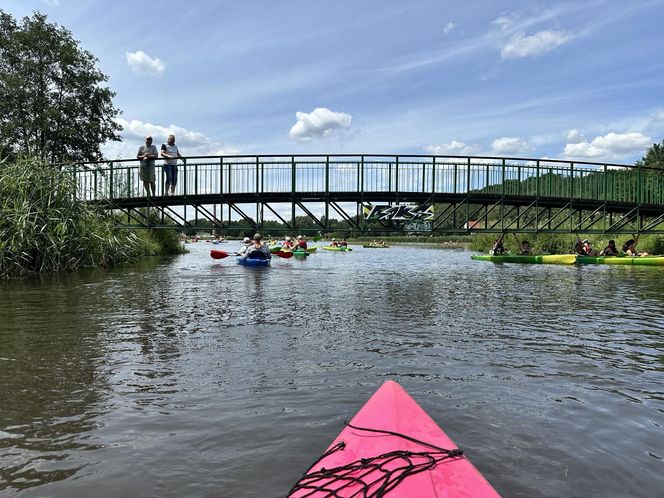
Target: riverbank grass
(44, 228)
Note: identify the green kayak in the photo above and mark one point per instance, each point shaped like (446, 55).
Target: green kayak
(555, 259)
(370, 246)
(335, 248)
(621, 260)
(300, 254)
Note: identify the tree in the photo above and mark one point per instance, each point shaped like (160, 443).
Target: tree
(52, 102)
(654, 157)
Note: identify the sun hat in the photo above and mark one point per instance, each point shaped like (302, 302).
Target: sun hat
(246, 239)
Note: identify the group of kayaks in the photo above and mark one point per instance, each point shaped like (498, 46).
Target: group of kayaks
(279, 250)
(570, 259)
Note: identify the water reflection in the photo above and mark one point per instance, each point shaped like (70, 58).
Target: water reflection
(52, 388)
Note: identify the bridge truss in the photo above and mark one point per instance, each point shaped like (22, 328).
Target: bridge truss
(448, 194)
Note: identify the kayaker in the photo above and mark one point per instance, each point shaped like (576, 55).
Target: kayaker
(287, 244)
(588, 248)
(343, 243)
(300, 244)
(257, 250)
(580, 248)
(610, 250)
(498, 247)
(246, 242)
(629, 248)
(334, 243)
(524, 247)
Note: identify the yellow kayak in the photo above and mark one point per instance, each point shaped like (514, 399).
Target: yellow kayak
(547, 259)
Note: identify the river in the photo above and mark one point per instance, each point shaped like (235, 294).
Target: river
(200, 377)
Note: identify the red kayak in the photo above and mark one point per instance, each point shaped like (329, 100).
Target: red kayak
(392, 448)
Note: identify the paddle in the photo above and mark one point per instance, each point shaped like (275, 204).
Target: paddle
(216, 254)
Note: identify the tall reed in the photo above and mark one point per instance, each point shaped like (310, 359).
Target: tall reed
(43, 227)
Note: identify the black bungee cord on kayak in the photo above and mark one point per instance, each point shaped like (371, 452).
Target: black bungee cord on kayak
(375, 475)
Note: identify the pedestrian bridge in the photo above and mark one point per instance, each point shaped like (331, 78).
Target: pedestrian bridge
(415, 193)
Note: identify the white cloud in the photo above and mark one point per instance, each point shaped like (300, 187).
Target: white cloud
(190, 143)
(609, 146)
(320, 123)
(140, 62)
(510, 145)
(449, 27)
(454, 148)
(52, 3)
(521, 45)
(574, 136)
(502, 22)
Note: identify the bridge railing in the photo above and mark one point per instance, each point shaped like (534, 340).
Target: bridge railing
(346, 173)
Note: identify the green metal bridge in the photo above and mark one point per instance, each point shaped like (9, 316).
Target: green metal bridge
(415, 193)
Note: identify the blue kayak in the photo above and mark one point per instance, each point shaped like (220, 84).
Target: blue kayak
(253, 261)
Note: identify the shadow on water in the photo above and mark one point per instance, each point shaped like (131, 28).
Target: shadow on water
(188, 376)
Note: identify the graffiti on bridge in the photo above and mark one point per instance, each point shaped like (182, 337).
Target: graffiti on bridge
(398, 212)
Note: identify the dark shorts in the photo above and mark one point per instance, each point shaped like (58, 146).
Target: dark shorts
(171, 171)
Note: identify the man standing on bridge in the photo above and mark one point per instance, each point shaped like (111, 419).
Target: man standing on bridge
(170, 151)
(147, 154)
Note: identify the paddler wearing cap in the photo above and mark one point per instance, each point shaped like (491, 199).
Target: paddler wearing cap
(588, 248)
(147, 154)
(287, 243)
(257, 250)
(246, 242)
(300, 243)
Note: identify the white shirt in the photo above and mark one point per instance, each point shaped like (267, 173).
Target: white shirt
(171, 150)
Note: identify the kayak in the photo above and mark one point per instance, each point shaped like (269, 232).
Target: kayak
(301, 254)
(312, 250)
(369, 246)
(253, 261)
(392, 448)
(336, 248)
(621, 260)
(556, 259)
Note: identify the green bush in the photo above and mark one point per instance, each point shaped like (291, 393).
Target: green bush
(159, 241)
(44, 228)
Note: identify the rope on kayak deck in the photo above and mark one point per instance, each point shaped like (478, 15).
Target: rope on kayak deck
(370, 477)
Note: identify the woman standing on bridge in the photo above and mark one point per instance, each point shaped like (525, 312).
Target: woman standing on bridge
(170, 151)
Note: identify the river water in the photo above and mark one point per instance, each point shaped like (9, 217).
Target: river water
(200, 377)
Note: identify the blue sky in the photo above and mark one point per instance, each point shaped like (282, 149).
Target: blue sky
(572, 80)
